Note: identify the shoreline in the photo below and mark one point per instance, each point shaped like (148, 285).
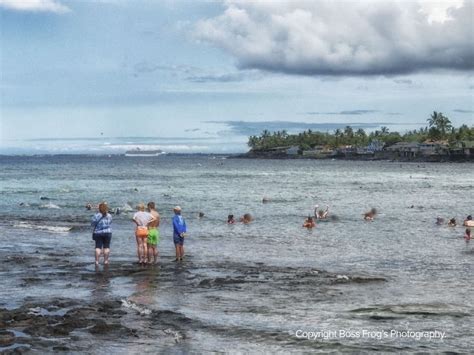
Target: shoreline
(261, 156)
(353, 157)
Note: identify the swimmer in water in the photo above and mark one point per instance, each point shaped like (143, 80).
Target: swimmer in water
(452, 222)
(468, 222)
(230, 219)
(321, 214)
(309, 223)
(201, 215)
(246, 218)
(439, 221)
(467, 236)
(369, 216)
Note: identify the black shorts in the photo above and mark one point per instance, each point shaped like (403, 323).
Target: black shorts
(102, 240)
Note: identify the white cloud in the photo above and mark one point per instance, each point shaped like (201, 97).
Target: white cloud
(35, 5)
(326, 37)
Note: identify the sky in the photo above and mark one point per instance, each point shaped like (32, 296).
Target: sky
(105, 76)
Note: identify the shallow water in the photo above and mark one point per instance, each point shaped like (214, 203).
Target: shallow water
(247, 287)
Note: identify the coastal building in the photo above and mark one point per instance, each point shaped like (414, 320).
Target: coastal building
(433, 148)
(375, 146)
(462, 149)
(293, 150)
(319, 151)
(404, 149)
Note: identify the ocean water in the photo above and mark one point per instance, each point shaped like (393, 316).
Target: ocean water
(256, 287)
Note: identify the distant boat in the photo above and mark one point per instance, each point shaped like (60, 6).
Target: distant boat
(143, 153)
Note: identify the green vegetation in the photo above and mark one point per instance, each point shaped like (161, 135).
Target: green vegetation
(439, 128)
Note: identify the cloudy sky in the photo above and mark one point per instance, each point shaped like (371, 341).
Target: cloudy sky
(200, 76)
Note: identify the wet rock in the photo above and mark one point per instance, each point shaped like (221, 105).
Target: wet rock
(16, 350)
(7, 338)
(61, 348)
(101, 327)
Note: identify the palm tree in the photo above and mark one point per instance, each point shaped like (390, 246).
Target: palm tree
(383, 130)
(439, 124)
(361, 136)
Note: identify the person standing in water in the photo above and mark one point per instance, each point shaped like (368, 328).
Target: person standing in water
(179, 232)
(142, 220)
(153, 234)
(102, 233)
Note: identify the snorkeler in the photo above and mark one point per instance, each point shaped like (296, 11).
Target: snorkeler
(309, 223)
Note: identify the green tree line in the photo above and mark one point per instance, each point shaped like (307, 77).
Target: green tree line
(439, 128)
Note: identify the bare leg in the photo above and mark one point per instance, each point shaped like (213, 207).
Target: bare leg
(177, 251)
(155, 254)
(150, 248)
(181, 251)
(138, 248)
(106, 256)
(141, 255)
(145, 251)
(97, 255)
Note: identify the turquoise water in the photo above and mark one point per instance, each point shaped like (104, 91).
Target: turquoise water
(251, 287)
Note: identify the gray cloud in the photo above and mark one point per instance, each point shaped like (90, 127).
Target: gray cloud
(349, 112)
(220, 78)
(247, 128)
(459, 110)
(195, 74)
(353, 38)
(403, 81)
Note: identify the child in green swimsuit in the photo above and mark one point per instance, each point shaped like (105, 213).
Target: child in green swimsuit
(153, 234)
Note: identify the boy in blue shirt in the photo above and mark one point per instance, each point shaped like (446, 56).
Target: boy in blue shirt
(179, 232)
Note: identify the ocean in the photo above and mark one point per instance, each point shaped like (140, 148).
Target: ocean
(400, 283)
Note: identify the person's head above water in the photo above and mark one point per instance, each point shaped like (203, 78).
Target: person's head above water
(141, 207)
(177, 210)
(469, 218)
(151, 205)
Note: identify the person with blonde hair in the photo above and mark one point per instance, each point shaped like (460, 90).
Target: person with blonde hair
(142, 220)
(153, 234)
(102, 233)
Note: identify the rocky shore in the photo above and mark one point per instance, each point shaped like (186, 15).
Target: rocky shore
(69, 306)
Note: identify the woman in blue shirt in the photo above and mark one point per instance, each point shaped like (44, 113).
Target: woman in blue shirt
(102, 233)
